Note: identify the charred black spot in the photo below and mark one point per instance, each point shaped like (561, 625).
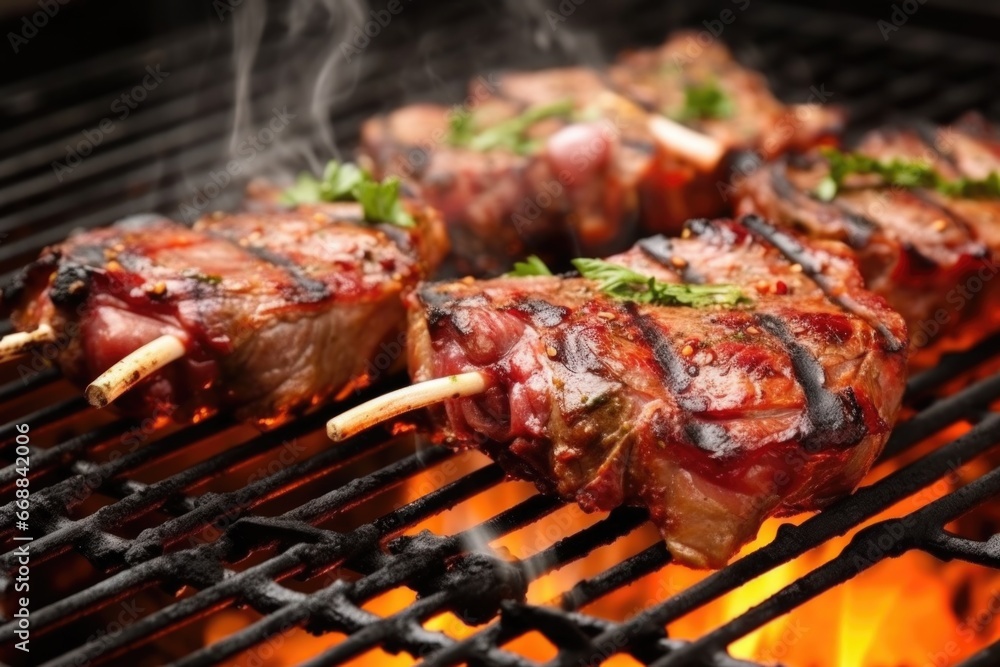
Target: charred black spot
(437, 305)
(836, 420)
(542, 313)
(70, 286)
(742, 163)
(661, 249)
(699, 226)
(714, 230)
(440, 306)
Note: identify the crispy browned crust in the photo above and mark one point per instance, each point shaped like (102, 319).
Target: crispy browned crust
(713, 418)
(500, 206)
(932, 257)
(279, 309)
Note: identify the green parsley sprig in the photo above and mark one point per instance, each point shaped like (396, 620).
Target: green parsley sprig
(347, 182)
(628, 285)
(510, 134)
(901, 173)
(531, 266)
(705, 101)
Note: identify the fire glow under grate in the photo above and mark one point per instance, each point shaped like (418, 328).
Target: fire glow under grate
(211, 543)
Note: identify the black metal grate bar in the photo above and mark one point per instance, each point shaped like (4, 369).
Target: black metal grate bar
(792, 541)
(141, 528)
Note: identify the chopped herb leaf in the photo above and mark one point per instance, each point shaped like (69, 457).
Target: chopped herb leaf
(705, 101)
(902, 173)
(510, 134)
(626, 284)
(347, 182)
(380, 202)
(461, 127)
(532, 266)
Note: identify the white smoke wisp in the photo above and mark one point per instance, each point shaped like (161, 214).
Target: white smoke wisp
(308, 74)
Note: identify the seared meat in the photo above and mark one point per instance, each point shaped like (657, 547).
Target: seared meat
(751, 117)
(703, 87)
(277, 310)
(569, 188)
(714, 418)
(585, 182)
(932, 256)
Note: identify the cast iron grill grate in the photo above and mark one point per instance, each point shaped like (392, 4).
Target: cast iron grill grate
(126, 506)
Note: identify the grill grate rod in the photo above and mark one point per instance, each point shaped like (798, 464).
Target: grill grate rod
(790, 543)
(617, 524)
(174, 566)
(793, 541)
(955, 399)
(988, 657)
(887, 539)
(250, 585)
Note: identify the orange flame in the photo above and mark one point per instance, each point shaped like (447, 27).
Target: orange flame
(911, 611)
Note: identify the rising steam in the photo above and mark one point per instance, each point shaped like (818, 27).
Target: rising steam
(292, 58)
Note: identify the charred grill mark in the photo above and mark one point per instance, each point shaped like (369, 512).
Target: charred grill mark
(661, 249)
(716, 231)
(309, 289)
(978, 251)
(794, 252)
(709, 437)
(437, 306)
(542, 313)
(399, 236)
(440, 306)
(859, 228)
(835, 419)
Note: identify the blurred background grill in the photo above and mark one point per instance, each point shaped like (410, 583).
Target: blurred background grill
(151, 541)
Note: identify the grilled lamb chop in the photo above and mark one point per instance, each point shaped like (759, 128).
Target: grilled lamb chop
(705, 88)
(931, 255)
(583, 182)
(277, 311)
(713, 418)
(565, 185)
